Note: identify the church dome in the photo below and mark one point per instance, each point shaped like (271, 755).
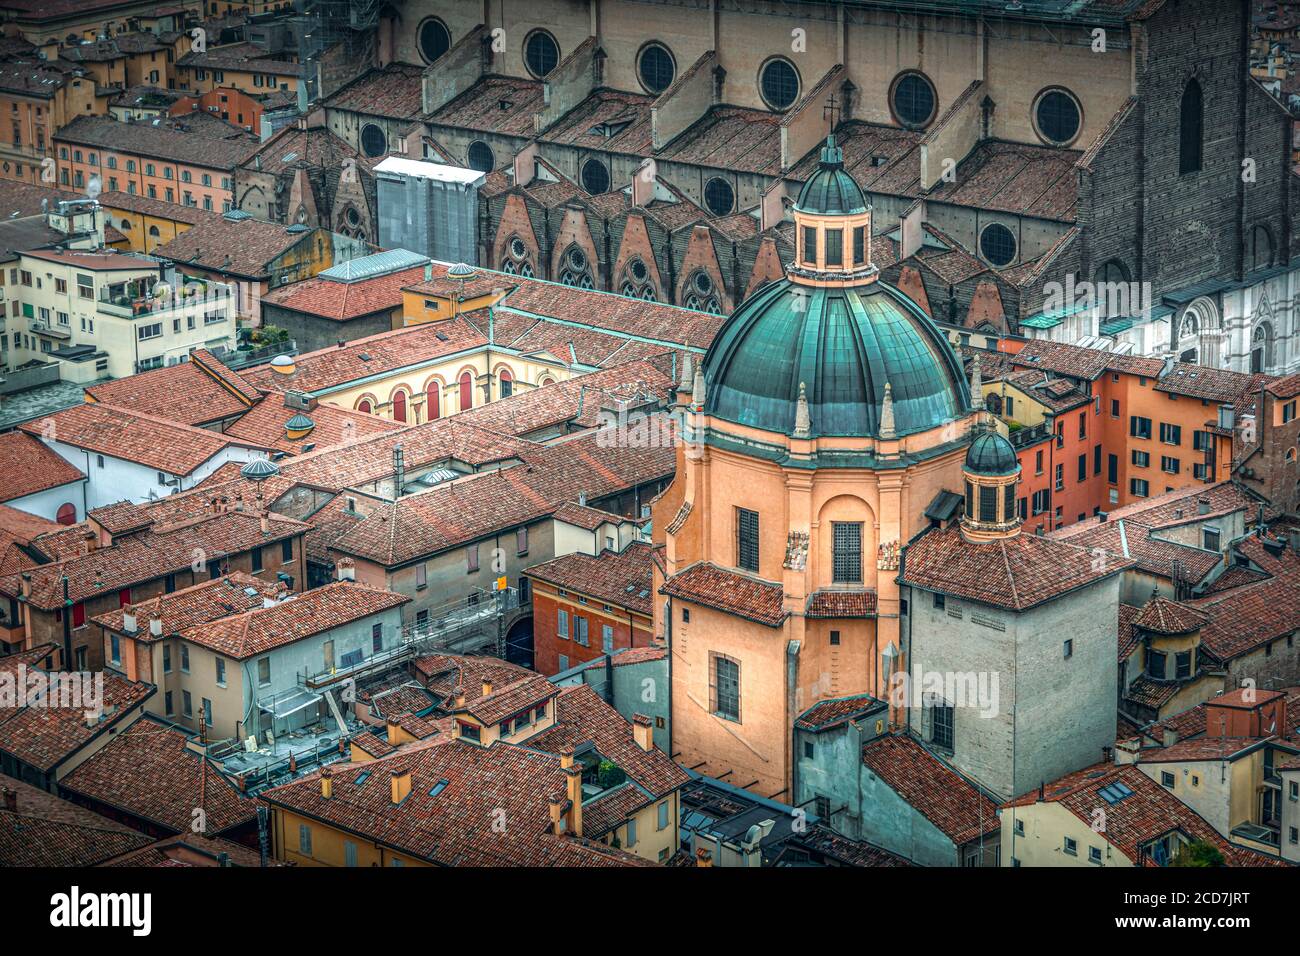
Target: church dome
(992, 455)
(843, 344)
(831, 191)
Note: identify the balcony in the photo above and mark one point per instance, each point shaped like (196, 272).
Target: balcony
(132, 300)
(1269, 837)
(51, 329)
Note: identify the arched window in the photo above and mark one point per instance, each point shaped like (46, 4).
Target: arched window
(517, 262)
(701, 293)
(67, 514)
(1191, 118)
(365, 405)
(507, 383)
(575, 269)
(1261, 348)
(1112, 270)
(433, 401)
(466, 391)
(399, 406)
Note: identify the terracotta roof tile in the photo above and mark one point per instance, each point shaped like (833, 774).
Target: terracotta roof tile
(48, 831)
(198, 139)
(831, 713)
(394, 91)
(1016, 573)
(341, 301)
(264, 425)
(29, 467)
(187, 393)
(133, 436)
(254, 632)
(606, 577)
(841, 604)
(1163, 616)
(150, 773)
(957, 807)
(729, 591)
(198, 604)
(240, 247)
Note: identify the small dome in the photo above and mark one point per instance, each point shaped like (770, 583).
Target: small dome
(300, 423)
(282, 361)
(460, 271)
(830, 190)
(992, 455)
(260, 469)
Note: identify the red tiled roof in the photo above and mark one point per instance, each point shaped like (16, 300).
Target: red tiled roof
(444, 673)
(132, 436)
(331, 299)
(186, 393)
(1077, 361)
(1163, 616)
(44, 737)
(1146, 692)
(394, 91)
(148, 556)
(1201, 748)
(936, 791)
(831, 713)
(18, 530)
(238, 247)
(477, 506)
(1148, 813)
(194, 605)
(373, 744)
(606, 577)
(821, 840)
(1013, 573)
(28, 467)
(190, 849)
(505, 701)
(150, 773)
(48, 831)
(841, 604)
(581, 716)
(264, 425)
(372, 355)
(120, 517)
(447, 818)
(1247, 617)
(1212, 384)
(730, 592)
(321, 609)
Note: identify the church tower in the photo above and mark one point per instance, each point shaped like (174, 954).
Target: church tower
(829, 413)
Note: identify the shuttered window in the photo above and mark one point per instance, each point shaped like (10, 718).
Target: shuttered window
(747, 539)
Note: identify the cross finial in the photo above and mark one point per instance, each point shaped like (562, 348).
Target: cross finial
(830, 110)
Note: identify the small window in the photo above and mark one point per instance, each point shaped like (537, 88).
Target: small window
(997, 245)
(1094, 854)
(808, 750)
(656, 68)
(1068, 648)
(747, 539)
(304, 839)
(541, 53)
(778, 82)
(726, 688)
(1071, 846)
(686, 615)
(835, 638)
(471, 558)
(1166, 779)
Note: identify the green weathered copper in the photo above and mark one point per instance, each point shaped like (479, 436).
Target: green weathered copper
(830, 190)
(991, 455)
(844, 344)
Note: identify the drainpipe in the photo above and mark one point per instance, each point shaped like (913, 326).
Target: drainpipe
(791, 686)
(67, 626)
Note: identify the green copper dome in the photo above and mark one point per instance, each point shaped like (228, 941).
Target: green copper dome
(844, 344)
(830, 190)
(991, 455)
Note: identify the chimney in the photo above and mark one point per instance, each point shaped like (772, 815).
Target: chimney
(1106, 755)
(643, 731)
(326, 782)
(459, 696)
(557, 815)
(487, 687)
(399, 471)
(391, 728)
(11, 799)
(582, 498)
(155, 624)
(1170, 737)
(265, 520)
(347, 569)
(1101, 517)
(401, 784)
(573, 782)
(128, 619)
(1202, 506)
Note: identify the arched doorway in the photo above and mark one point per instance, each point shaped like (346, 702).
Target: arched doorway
(1261, 348)
(519, 642)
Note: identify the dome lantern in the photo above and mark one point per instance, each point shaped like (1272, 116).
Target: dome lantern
(991, 472)
(832, 220)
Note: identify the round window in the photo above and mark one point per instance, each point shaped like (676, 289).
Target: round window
(719, 196)
(913, 99)
(517, 248)
(595, 177)
(480, 157)
(778, 81)
(638, 270)
(997, 244)
(656, 68)
(577, 259)
(352, 217)
(703, 284)
(541, 53)
(373, 140)
(1057, 116)
(434, 39)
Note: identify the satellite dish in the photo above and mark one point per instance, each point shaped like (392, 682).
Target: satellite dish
(94, 187)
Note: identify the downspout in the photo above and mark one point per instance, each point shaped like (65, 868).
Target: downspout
(668, 642)
(791, 687)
